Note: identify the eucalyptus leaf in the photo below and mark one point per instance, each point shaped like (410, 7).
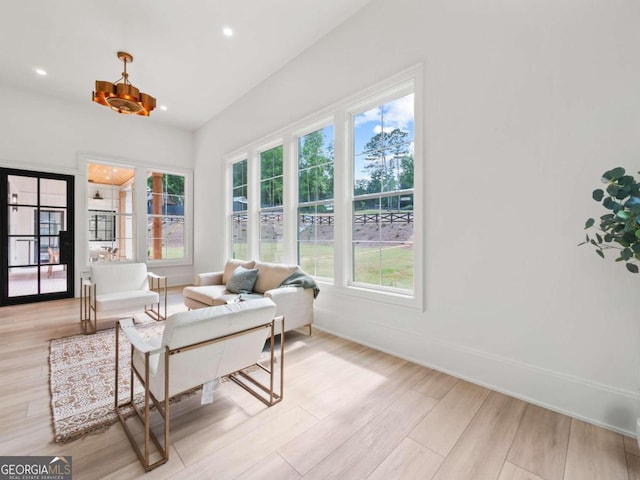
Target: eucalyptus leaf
(626, 180)
(612, 189)
(611, 204)
(619, 227)
(614, 174)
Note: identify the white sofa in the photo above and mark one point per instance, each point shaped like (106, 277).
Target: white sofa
(194, 348)
(295, 304)
(119, 286)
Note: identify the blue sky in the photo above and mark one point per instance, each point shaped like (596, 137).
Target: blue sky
(395, 114)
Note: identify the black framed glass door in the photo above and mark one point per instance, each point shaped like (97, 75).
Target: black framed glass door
(36, 236)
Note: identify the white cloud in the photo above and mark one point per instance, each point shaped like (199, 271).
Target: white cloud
(372, 115)
(396, 114)
(399, 113)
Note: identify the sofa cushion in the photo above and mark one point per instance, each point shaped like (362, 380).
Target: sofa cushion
(208, 295)
(271, 275)
(242, 280)
(132, 299)
(231, 265)
(119, 277)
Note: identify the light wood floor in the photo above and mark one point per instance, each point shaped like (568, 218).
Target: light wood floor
(349, 412)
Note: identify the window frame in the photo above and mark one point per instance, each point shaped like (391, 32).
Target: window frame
(271, 209)
(358, 108)
(139, 208)
(234, 213)
(340, 115)
(318, 125)
(165, 261)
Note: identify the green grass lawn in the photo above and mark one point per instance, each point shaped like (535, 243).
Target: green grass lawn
(387, 266)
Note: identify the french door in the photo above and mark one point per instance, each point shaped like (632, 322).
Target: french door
(36, 236)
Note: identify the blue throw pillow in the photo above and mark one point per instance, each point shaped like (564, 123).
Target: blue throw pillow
(242, 280)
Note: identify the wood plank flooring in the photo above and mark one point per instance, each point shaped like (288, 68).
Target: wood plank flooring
(349, 412)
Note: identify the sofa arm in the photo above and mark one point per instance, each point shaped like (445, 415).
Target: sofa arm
(211, 278)
(294, 303)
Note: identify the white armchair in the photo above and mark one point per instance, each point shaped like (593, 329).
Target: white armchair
(119, 286)
(196, 347)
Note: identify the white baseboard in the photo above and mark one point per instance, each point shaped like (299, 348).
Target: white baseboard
(602, 405)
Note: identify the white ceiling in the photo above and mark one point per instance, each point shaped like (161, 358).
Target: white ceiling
(180, 55)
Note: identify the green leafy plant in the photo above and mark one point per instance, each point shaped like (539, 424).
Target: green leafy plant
(619, 229)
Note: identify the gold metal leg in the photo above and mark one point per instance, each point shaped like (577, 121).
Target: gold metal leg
(87, 307)
(159, 285)
(145, 418)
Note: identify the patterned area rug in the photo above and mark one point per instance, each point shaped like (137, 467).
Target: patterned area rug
(82, 378)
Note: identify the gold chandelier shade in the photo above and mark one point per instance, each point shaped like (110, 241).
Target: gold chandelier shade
(123, 97)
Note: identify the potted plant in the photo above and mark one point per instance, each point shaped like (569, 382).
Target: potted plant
(619, 228)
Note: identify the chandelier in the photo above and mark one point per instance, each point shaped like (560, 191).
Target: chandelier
(123, 97)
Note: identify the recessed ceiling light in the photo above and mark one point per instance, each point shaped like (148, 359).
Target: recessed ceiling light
(227, 31)
(41, 71)
(163, 107)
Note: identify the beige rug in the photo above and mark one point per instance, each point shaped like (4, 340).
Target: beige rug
(82, 378)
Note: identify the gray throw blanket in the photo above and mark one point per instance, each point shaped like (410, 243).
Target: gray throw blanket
(301, 279)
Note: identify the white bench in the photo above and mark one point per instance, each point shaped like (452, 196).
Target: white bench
(117, 286)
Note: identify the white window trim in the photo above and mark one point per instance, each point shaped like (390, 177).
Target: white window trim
(140, 201)
(188, 217)
(340, 115)
(310, 128)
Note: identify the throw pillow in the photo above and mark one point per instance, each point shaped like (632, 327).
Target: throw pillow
(242, 280)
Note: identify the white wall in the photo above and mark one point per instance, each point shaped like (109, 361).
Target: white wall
(526, 104)
(46, 134)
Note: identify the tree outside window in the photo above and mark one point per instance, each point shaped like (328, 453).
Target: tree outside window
(271, 201)
(382, 216)
(315, 202)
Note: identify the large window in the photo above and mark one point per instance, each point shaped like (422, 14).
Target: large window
(271, 205)
(165, 216)
(315, 202)
(338, 195)
(382, 212)
(137, 213)
(239, 199)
